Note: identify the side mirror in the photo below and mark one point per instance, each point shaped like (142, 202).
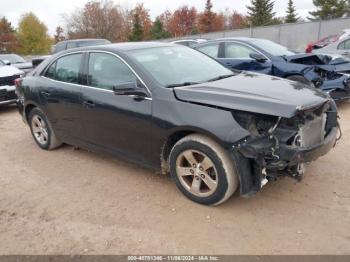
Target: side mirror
(6, 62)
(258, 57)
(129, 89)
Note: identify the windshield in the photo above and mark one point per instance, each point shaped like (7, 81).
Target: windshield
(272, 48)
(13, 59)
(178, 65)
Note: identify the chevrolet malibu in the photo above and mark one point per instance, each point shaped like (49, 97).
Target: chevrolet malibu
(177, 110)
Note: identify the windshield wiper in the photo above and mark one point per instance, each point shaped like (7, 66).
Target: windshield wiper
(220, 77)
(182, 84)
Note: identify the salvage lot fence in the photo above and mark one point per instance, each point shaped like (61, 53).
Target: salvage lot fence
(294, 36)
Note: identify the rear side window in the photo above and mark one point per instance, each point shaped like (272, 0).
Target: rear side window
(60, 47)
(50, 72)
(210, 49)
(236, 50)
(344, 45)
(185, 43)
(107, 71)
(65, 69)
(71, 45)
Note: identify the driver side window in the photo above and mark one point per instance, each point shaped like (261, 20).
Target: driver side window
(238, 51)
(107, 71)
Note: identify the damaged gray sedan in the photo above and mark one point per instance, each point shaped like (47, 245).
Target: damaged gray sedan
(174, 109)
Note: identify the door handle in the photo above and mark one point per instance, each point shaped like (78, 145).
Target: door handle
(346, 53)
(45, 93)
(89, 104)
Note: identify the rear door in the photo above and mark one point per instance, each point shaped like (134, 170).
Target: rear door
(116, 123)
(237, 56)
(60, 94)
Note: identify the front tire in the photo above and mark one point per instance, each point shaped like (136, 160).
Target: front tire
(42, 131)
(202, 170)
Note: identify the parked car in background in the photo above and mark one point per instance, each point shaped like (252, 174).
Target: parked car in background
(267, 57)
(188, 42)
(68, 44)
(344, 34)
(172, 108)
(39, 59)
(341, 48)
(17, 61)
(8, 76)
(327, 40)
(321, 43)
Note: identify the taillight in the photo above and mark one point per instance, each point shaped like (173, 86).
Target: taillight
(18, 82)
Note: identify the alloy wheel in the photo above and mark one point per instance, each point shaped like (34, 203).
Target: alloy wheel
(197, 173)
(40, 130)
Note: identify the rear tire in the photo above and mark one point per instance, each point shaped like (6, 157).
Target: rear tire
(42, 131)
(203, 170)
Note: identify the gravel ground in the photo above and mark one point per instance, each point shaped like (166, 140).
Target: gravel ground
(76, 202)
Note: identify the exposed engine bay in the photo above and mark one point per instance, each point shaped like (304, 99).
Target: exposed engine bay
(279, 146)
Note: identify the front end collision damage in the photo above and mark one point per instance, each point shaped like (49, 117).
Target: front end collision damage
(329, 74)
(279, 147)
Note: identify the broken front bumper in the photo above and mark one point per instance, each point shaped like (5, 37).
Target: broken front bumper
(286, 156)
(292, 156)
(254, 164)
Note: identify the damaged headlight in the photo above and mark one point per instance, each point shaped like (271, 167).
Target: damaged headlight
(256, 124)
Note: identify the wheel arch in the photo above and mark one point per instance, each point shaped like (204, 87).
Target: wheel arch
(173, 137)
(28, 108)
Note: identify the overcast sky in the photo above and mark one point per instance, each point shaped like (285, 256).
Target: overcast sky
(51, 11)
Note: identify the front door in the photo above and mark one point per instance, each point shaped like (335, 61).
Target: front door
(237, 56)
(117, 123)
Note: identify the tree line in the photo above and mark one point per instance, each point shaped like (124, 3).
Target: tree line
(104, 19)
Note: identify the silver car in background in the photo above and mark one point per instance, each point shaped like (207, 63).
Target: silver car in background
(341, 47)
(8, 76)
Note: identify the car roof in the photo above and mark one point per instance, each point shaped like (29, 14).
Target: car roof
(121, 47)
(343, 39)
(8, 54)
(242, 39)
(82, 40)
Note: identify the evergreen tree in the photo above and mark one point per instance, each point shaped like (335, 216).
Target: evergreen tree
(209, 21)
(261, 12)
(291, 13)
(137, 29)
(329, 9)
(157, 30)
(206, 19)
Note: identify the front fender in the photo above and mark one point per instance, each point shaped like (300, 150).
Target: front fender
(183, 116)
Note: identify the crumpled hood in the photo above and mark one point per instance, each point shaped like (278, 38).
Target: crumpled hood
(253, 92)
(9, 71)
(334, 63)
(320, 59)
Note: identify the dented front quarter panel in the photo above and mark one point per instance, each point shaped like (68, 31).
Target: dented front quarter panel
(328, 74)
